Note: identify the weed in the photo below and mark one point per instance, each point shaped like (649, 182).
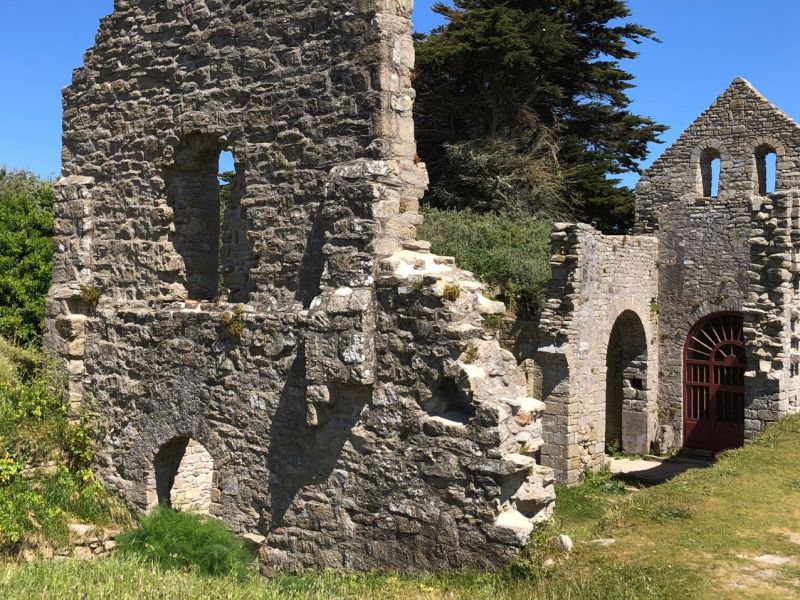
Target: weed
(471, 354)
(493, 322)
(654, 307)
(34, 429)
(603, 481)
(234, 321)
(451, 292)
(614, 448)
(90, 296)
(42, 506)
(184, 540)
(9, 468)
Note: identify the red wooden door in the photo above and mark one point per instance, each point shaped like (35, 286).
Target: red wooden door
(714, 366)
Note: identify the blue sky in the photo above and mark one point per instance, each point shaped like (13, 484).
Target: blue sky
(706, 44)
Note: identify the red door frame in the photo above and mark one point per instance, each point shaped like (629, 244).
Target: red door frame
(713, 388)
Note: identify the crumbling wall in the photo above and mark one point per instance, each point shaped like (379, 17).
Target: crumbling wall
(599, 281)
(704, 251)
(355, 416)
(772, 312)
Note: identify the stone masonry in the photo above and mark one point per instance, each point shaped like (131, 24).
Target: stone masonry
(698, 252)
(281, 352)
(599, 283)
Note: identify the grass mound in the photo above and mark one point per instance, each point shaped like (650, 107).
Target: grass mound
(510, 253)
(184, 540)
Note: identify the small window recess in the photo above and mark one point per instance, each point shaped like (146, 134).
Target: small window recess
(710, 170)
(204, 192)
(766, 169)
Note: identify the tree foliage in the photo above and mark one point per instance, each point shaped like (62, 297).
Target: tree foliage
(504, 175)
(511, 71)
(26, 253)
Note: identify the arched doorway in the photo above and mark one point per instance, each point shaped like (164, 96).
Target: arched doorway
(626, 386)
(714, 366)
(184, 476)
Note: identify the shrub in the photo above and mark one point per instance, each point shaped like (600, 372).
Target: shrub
(185, 540)
(511, 253)
(26, 250)
(90, 296)
(43, 506)
(35, 430)
(234, 321)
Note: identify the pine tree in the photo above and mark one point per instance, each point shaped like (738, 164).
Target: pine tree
(507, 70)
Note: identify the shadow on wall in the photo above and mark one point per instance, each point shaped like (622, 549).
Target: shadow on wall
(302, 455)
(167, 462)
(312, 264)
(185, 476)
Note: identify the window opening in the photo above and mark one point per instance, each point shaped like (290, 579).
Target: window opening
(710, 171)
(767, 169)
(193, 192)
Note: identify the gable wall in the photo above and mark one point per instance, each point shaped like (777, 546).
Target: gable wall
(704, 250)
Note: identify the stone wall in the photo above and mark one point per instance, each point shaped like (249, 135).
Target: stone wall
(602, 301)
(772, 312)
(357, 412)
(705, 254)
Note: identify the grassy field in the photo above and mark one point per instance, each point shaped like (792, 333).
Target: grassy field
(729, 531)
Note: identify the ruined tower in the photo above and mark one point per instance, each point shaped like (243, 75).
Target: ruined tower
(276, 349)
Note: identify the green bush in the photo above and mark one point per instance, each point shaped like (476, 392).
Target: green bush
(43, 506)
(34, 431)
(184, 540)
(511, 253)
(26, 251)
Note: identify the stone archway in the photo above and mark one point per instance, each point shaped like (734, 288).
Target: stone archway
(183, 477)
(626, 415)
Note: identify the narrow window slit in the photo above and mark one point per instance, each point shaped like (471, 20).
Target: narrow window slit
(767, 169)
(710, 171)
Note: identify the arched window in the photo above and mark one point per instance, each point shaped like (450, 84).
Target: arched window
(766, 168)
(710, 166)
(193, 192)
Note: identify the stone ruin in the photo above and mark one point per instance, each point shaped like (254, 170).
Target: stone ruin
(281, 352)
(687, 333)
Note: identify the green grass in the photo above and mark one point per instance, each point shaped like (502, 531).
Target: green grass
(511, 253)
(41, 507)
(579, 509)
(130, 578)
(178, 539)
(694, 537)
